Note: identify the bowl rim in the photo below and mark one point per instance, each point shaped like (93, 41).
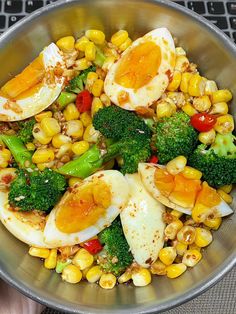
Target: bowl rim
(221, 271)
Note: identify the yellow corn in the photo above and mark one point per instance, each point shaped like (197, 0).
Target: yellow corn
(167, 255)
(179, 51)
(72, 181)
(105, 100)
(185, 78)
(191, 257)
(181, 248)
(65, 148)
(43, 155)
(175, 270)
(83, 259)
(40, 135)
(194, 246)
(203, 237)
(44, 165)
(60, 139)
(181, 63)
(219, 108)
(96, 105)
(71, 274)
(78, 148)
(213, 223)
(90, 51)
(158, 268)
(96, 36)
(107, 281)
(125, 277)
(125, 44)
(222, 95)
(94, 274)
(74, 128)
(39, 252)
(227, 188)
(186, 235)
(176, 213)
(71, 112)
(97, 88)
(189, 109)
(91, 78)
(85, 118)
(226, 197)
(175, 82)
(176, 165)
(199, 213)
(191, 173)
(177, 98)
(224, 124)
(172, 229)
(82, 64)
(196, 85)
(45, 114)
(202, 103)
(81, 43)
(51, 261)
(90, 134)
(50, 126)
(119, 37)
(108, 63)
(66, 44)
(207, 137)
(142, 277)
(165, 109)
(210, 87)
(5, 156)
(30, 146)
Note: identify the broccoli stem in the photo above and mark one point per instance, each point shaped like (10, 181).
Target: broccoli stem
(20, 153)
(65, 98)
(62, 264)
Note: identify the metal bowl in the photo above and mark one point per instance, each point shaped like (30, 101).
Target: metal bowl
(216, 57)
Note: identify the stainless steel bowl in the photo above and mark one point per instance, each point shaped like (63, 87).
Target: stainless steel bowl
(216, 57)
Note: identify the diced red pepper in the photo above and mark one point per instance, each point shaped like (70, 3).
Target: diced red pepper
(84, 101)
(203, 122)
(93, 246)
(153, 159)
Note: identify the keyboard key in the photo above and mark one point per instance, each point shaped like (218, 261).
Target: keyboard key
(216, 7)
(14, 18)
(233, 22)
(219, 21)
(231, 6)
(31, 6)
(180, 3)
(2, 21)
(13, 6)
(197, 6)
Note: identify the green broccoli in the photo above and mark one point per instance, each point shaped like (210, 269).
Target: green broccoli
(116, 256)
(26, 129)
(129, 137)
(76, 85)
(175, 136)
(36, 190)
(217, 163)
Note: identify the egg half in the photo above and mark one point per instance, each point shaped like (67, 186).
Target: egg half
(87, 208)
(143, 72)
(142, 223)
(35, 88)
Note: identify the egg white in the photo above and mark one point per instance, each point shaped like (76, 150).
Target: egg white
(152, 91)
(43, 97)
(119, 196)
(142, 223)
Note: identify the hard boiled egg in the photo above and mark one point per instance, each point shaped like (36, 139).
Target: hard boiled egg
(35, 88)
(142, 223)
(87, 208)
(143, 72)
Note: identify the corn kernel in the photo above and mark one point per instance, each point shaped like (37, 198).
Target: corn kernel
(125, 277)
(50, 126)
(107, 281)
(227, 188)
(226, 197)
(207, 137)
(185, 78)
(191, 173)
(189, 109)
(210, 87)
(222, 95)
(71, 274)
(71, 112)
(181, 63)
(43, 155)
(125, 44)
(175, 82)
(97, 88)
(203, 237)
(91, 78)
(219, 108)
(74, 128)
(175, 270)
(82, 64)
(172, 229)
(176, 213)
(64, 149)
(105, 100)
(81, 43)
(96, 36)
(108, 63)
(194, 246)
(94, 274)
(66, 44)
(78, 148)
(181, 248)
(167, 255)
(177, 98)
(176, 165)
(186, 235)
(142, 277)
(213, 223)
(86, 119)
(51, 261)
(72, 181)
(5, 156)
(191, 257)
(96, 105)
(90, 51)
(196, 85)
(224, 124)
(45, 114)
(90, 134)
(202, 103)
(165, 109)
(200, 212)
(179, 51)
(40, 135)
(158, 268)
(119, 37)
(39, 252)
(60, 139)
(30, 146)
(83, 259)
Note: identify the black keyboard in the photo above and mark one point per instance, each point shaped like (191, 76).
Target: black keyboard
(220, 13)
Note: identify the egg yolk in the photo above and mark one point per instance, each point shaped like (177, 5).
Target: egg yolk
(208, 196)
(83, 206)
(139, 66)
(164, 181)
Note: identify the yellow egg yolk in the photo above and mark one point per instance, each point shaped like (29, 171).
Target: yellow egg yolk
(139, 66)
(208, 196)
(83, 206)
(164, 181)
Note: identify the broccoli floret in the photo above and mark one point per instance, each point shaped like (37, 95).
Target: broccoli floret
(116, 256)
(76, 85)
(36, 190)
(218, 162)
(175, 136)
(26, 129)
